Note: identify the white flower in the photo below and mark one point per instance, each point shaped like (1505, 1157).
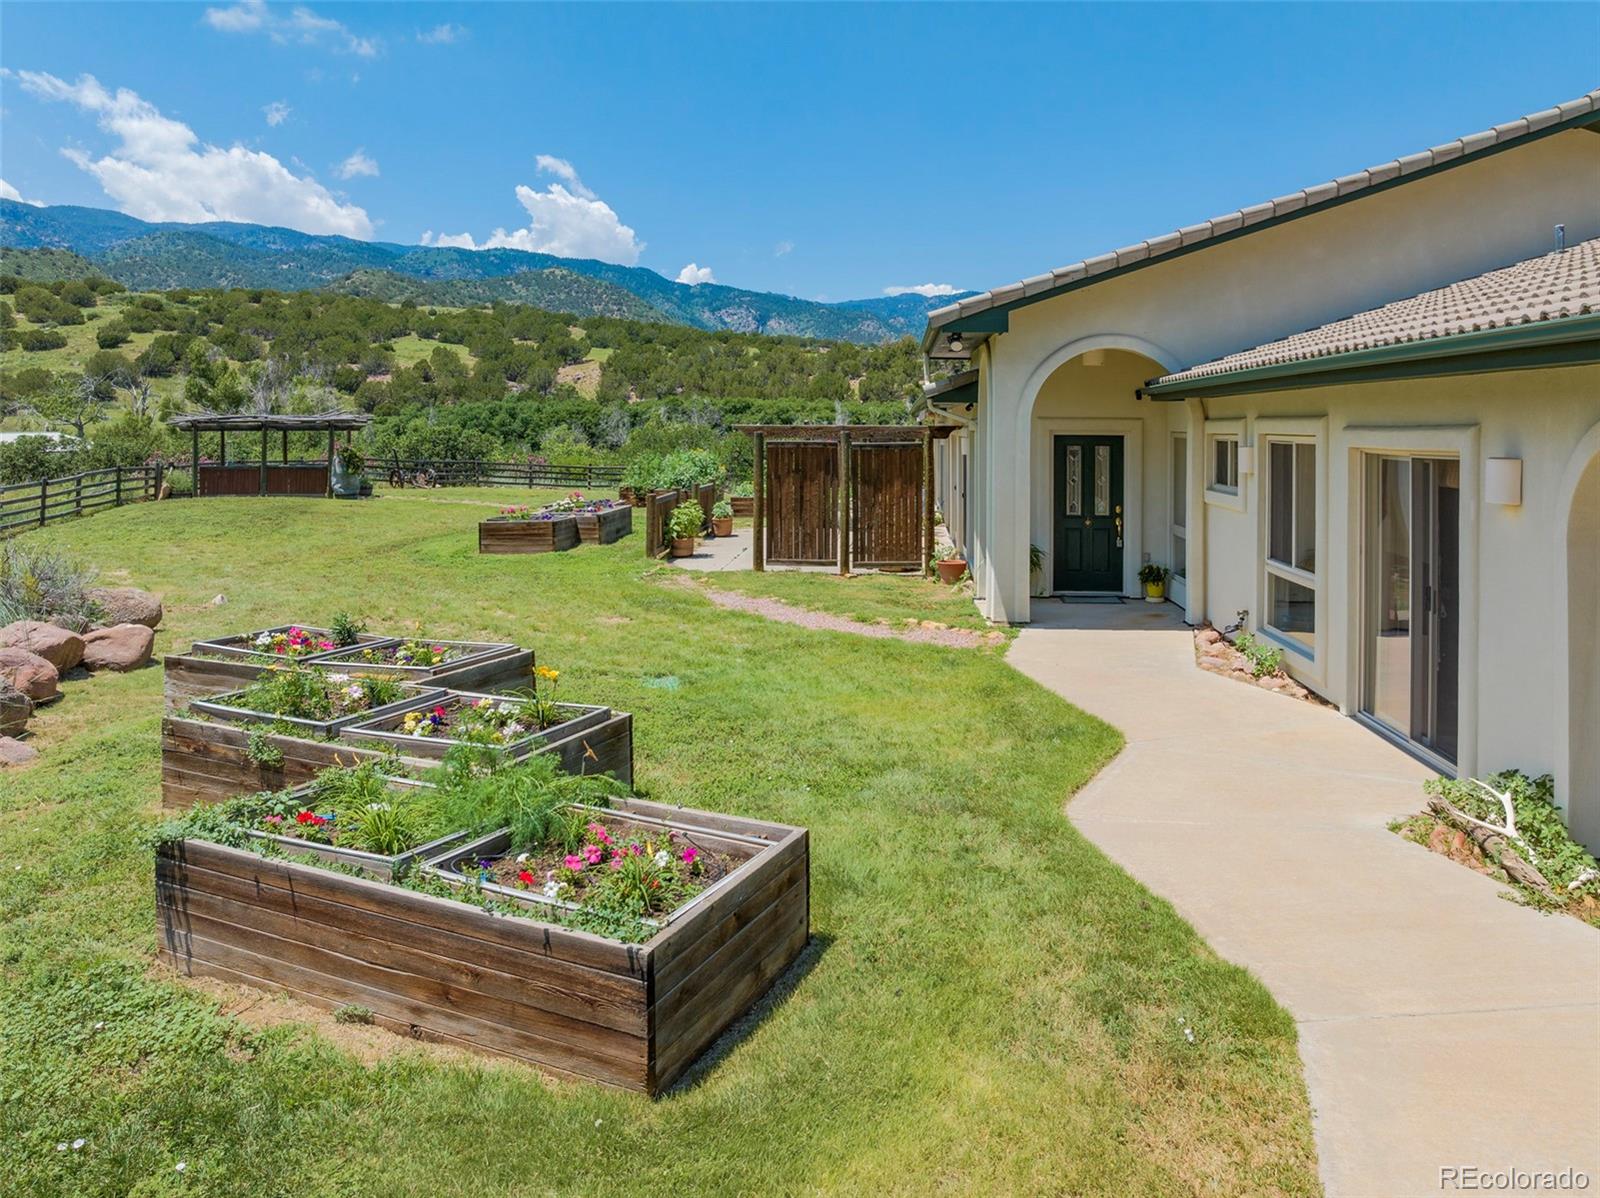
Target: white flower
(1188, 1034)
(552, 888)
(78, 1143)
(180, 1166)
(61, 1147)
(338, 677)
(264, 639)
(662, 857)
(99, 1025)
(522, 858)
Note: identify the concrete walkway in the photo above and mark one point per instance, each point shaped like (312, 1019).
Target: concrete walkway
(1440, 1025)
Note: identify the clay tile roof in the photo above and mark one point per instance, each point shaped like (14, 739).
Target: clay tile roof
(1553, 286)
(1577, 110)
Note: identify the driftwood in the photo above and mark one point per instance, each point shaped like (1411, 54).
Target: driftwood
(1496, 845)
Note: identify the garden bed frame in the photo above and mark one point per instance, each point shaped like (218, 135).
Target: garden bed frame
(225, 708)
(191, 676)
(205, 762)
(242, 645)
(381, 729)
(501, 534)
(601, 528)
(574, 1004)
(478, 652)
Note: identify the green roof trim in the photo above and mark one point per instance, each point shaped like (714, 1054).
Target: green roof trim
(1571, 341)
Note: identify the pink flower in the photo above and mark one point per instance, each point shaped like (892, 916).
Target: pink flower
(689, 854)
(574, 862)
(599, 833)
(593, 853)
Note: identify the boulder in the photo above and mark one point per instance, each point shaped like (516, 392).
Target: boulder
(14, 752)
(15, 708)
(120, 647)
(128, 605)
(30, 674)
(1207, 636)
(58, 646)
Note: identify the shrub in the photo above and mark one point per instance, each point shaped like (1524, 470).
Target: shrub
(1264, 659)
(641, 473)
(28, 459)
(38, 340)
(686, 520)
(688, 468)
(1552, 851)
(722, 510)
(112, 334)
(40, 583)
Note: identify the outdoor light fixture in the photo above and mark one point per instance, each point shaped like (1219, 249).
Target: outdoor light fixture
(1502, 481)
(1247, 459)
(955, 343)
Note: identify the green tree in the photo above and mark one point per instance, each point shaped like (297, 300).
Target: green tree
(70, 400)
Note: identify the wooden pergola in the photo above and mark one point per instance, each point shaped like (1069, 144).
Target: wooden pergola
(265, 478)
(854, 494)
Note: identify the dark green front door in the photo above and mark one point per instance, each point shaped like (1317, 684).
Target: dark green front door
(1088, 508)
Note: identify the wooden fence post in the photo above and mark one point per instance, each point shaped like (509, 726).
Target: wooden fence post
(44, 489)
(118, 502)
(155, 492)
(263, 459)
(927, 502)
(77, 494)
(844, 502)
(759, 548)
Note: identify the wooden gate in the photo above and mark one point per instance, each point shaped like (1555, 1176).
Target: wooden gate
(886, 504)
(802, 501)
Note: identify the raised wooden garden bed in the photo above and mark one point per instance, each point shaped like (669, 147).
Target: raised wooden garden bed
(204, 762)
(374, 865)
(743, 505)
(601, 528)
(385, 731)
(230, 709)
(574, 1004)
(504, 535)
(197, 675)
(246, 646)
(389, 659)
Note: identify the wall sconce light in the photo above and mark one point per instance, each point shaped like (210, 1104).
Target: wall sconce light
(1502, 481)
(1247, 459)
(955, 343)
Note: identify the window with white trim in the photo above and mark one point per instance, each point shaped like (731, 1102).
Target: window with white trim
(1224, 468)
(1180, 503)
(1291, 550)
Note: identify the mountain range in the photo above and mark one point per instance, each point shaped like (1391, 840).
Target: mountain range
(151, 256)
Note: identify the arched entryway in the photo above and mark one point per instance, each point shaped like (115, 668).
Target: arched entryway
(1582, 546)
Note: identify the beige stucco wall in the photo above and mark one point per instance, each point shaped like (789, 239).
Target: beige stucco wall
(1177, 312)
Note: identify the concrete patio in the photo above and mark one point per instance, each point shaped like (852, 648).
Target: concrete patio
(1440, 1025)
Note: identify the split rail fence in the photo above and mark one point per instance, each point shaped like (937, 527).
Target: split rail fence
(469, 472)
(35, 504)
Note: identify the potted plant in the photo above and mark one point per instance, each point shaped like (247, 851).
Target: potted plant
(348, 464)
(1154, 578)
(683, 526)
(722, 519)
(951, 565)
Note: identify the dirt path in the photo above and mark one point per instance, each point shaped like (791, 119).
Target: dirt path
(926, 633)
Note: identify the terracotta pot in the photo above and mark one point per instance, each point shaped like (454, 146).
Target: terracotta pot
(951, 569)
(722, 526)
(682, 546)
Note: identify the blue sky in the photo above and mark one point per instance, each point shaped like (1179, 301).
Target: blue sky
(819, 150)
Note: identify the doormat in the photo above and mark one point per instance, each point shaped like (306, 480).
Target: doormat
(1090, 598)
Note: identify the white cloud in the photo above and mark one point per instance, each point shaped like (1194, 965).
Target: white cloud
(694, 275)
(276, 113)
(8, 192)
(160, 170)
(782, 248)
(928, 289)
(565, 219)
(442, 35)
(358, 164)
(460, 241)
(301, 26)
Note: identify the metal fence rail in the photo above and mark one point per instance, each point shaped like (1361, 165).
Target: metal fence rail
(35, 504)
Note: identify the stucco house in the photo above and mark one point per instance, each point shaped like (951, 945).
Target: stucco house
(1366, 414)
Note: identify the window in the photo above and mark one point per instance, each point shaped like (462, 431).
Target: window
(1180, 503)
(1224, 465)
(1291, 495)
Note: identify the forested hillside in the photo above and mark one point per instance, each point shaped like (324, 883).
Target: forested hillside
(88, 358)
(146, 256)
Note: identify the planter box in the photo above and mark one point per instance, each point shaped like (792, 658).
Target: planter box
(373, 864)
(743, 505)
(204, 762)
(383, 732)
(242, 645)
(601, 528)
(190, 676)
(576, 1005)
(227, 709)
(499, 535)
(467, 654)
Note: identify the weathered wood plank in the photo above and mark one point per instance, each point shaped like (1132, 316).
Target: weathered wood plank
(527, 536)
(706, 936)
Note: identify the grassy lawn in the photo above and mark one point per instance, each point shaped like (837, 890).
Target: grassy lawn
(411, 349)
(989, 1005)
(865, 597)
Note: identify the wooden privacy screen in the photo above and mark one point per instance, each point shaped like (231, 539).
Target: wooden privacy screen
(886, 504)
(802, 502)
(245, 478)
(657, 518)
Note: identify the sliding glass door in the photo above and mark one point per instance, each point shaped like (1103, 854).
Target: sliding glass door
(1411, 573)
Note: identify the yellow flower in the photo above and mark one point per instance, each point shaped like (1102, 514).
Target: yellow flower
(547, 673)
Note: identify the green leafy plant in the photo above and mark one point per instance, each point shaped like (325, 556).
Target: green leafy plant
(1151, 574)
(353, 1013)
(1265, 659)
(1536, 826)
(722, 510)
(685, 521)
(946, 553)
(317, 695)
(258, 747)
(1035, 559)
(41, 583)
(346, 630)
